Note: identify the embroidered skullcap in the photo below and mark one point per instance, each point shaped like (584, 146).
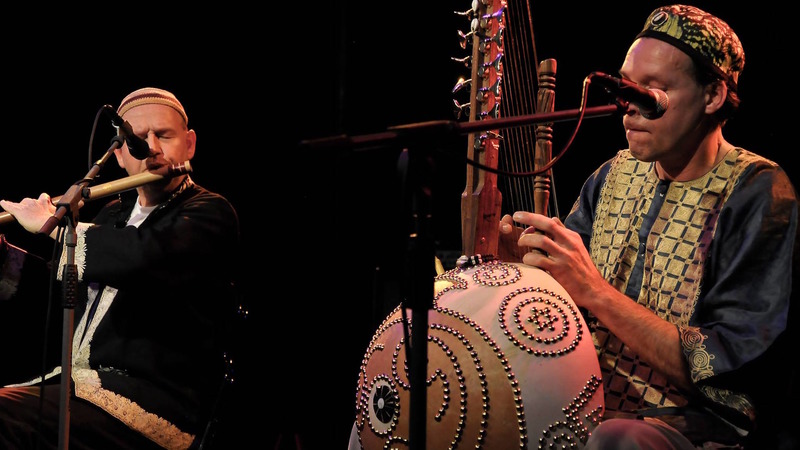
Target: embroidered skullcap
(151, 96)
(704, 37)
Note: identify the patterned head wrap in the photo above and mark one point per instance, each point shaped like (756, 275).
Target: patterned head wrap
(149, 96)
(704, 37)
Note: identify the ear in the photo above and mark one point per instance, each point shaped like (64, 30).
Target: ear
(120, 159)
(191, 140)
(716, 93)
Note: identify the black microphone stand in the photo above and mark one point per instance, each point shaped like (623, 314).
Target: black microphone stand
(420, 272)
(67, 210)
(421, 248)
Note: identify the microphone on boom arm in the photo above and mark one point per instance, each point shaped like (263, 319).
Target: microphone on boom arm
(138, 147)
(652, 103)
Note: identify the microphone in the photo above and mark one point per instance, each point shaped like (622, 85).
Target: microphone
(138, 147)
(652, 103)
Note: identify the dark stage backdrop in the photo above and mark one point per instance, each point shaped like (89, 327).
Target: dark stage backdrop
(324, 228)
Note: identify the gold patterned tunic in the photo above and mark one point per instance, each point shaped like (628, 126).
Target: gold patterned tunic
(711, 255)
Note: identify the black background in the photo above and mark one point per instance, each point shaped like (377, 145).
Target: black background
(323, 226)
